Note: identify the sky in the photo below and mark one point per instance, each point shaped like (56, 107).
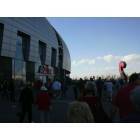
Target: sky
(97, 45)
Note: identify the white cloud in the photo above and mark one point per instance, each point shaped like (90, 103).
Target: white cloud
(108, 65)
(99, 57)
(132, 58)
(110, 68)
(83, 61)
(108, 58)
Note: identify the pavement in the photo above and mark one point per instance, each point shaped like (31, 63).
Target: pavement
(58, 113)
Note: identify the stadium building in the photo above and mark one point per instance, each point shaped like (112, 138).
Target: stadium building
(30, 49)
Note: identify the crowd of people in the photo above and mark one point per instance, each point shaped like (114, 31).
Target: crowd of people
(7, 90)
(26, 95)
(91, 96)
(119, 97)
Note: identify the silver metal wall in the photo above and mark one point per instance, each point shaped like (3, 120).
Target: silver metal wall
(38, 29)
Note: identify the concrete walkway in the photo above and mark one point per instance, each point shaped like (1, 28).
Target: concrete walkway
(8, 111)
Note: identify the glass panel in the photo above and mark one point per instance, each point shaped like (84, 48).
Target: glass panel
(1, 35)
(13, 69)
(26, 46)
(58, 39)
(19, 54)
(6, 69)
(30, 71)
(42, 52)
(37, 67)
(53, 58)
(20, 72)
(60, 64)
(23, 46)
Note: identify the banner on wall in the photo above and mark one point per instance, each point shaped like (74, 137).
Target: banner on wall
(45, 70)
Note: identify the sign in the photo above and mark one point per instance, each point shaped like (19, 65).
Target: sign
(45, 70)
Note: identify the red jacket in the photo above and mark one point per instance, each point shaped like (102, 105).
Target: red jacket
(43, 101)
(122, 100)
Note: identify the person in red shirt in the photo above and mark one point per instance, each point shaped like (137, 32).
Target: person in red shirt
(122, 99)
(43, 101)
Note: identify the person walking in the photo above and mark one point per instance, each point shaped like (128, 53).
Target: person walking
(43, 101)
(26, 101)
(90, 86)
(79, 112)
(99, 84)
(108, 89)
(11, 88)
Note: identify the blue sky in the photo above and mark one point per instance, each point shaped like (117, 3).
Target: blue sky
(97, 45)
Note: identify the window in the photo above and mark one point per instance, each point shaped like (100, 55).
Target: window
(19, 53)
(24, 44)
(6, 68)
(60, 64)
(53, 57)
(1, 35)
(19, 70)
(30, 71)
(42, 52)
(58, 39)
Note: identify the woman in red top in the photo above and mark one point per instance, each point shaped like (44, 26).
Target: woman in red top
(43, 102)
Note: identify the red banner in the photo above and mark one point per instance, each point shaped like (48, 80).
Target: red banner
(45, 69)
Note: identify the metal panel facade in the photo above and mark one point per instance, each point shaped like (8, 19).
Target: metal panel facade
(37, 29)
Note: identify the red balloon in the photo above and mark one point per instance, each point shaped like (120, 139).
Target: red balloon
(122, 64)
